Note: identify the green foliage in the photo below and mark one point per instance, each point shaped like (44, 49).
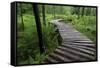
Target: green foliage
(27, 40)
(28, 43)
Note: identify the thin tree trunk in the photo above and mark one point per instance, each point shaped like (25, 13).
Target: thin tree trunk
(61, 9)
(82, 11)
(90, 11)
(78, 12)
(22, 17)
(43, 12)
(54, 11)
(86, 11)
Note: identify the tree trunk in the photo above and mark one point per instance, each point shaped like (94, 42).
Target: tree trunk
(54, 11)
(39, 29)
(22, 17)
(43, 12)
(82, 11)
(90, 11)
(78, 12)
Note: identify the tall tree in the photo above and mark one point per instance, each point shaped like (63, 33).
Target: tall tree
(82, 14)
(90, 11)
(94, 11)
(22, 16)
(43, 12)
(54, 11)
(39, 29)
(78, 12)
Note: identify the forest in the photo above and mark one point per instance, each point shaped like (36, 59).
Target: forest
(29, 51)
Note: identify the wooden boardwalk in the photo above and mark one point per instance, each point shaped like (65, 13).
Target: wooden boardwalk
(75, 46)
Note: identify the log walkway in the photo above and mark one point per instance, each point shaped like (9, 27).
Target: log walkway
(75, 46)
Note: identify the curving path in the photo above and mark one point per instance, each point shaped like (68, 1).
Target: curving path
(75, 46)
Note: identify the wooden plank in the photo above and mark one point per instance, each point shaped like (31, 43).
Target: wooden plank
(70, 55)
(80, 49)
(77, 41)
(76, 52)
(87, 48)
(59, 57)
(50, 59)
(79, 44)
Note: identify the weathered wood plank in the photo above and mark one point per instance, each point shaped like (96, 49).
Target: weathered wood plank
(76, 52)
(60, 57)
(80, 49)
(70, 55)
